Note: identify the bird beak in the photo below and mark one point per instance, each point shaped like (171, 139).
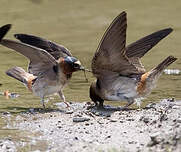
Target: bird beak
(82, 68)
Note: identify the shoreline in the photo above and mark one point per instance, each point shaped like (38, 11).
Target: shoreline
(157, 127)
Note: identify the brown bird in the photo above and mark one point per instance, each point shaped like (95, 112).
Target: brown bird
(119, 72)
(50, 68)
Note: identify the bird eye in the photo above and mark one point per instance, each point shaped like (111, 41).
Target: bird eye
(76, 65)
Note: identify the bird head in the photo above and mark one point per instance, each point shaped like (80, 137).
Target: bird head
(73, 64)
(70, 65)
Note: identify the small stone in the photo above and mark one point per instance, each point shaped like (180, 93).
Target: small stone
(154, 122)
(108, 137)
(100, 122)
(146, 120)
(163, 117)
(130, 119)
(87, 124)
(6, 113)
(154, 135)
(81, 119)
(179, 120)
(175, 107)
(171, 100)
(131, 142)
(159, 125)
(106, 114)
(154, 139)
(97, 113)
(113, 120)
(69, 112)
(31, 110)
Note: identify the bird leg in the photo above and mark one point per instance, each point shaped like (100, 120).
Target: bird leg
(42, 102)
(130, 102)
(63, 98)
(101, 104)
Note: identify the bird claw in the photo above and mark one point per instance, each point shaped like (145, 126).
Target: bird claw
(67, 104)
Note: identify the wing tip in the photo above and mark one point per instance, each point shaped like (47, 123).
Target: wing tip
(18, 36)
(166, 31)
(4, 29)
(123, 13)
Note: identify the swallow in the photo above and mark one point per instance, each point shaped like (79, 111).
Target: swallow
(118, 69)
(50, 67)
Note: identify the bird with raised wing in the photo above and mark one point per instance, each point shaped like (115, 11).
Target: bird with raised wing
(50, 67)
(119, 72)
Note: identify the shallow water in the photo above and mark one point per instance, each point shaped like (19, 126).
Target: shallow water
(79, 26)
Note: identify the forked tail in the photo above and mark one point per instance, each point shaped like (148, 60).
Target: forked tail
(164, 64)
(19, 74)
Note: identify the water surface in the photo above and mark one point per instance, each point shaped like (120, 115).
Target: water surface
(79, 26)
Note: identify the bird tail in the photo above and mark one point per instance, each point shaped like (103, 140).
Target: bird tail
(163, 65)
(19, 74)
(3, 30)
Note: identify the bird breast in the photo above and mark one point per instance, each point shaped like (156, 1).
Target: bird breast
(120, 89)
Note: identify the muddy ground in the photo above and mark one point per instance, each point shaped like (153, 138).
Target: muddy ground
(157, 127)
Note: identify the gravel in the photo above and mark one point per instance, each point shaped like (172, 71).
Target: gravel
(157, 127)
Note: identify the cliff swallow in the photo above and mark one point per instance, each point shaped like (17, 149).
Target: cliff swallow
(50, 68)
(119, 72)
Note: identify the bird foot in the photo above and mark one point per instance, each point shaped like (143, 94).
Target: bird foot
(67, 104)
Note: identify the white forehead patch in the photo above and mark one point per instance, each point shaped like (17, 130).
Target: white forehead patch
(77, 62)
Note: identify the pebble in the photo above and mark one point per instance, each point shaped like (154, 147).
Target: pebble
(80, 119)
(175, 107)
(130, 119)
(87, 124)
(179, 120)
(108, 137)
(121, 121)
(69, 112)
(131, 142)
(154, 139)
(107, 115)
(31, 110)
(6, 113)
(146, 120)
(113, 120)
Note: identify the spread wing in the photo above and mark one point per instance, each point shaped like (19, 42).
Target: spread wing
(54, 49)
(138, 49)
(40, 59)
(110, 55)
(143, 45)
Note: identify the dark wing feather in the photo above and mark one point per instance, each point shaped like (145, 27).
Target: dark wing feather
(3, 30)
(143, 45)
(40, 59)
(54, 49)
(110, 55)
